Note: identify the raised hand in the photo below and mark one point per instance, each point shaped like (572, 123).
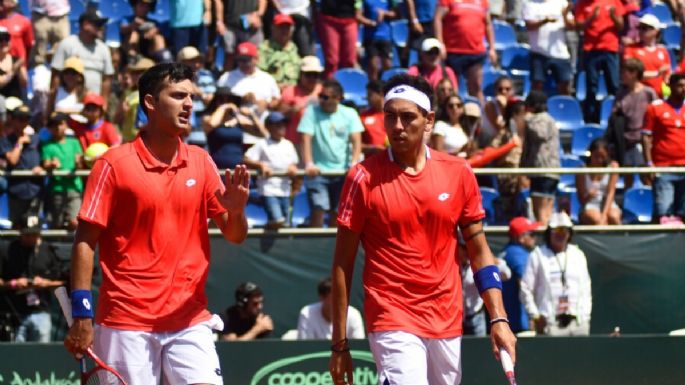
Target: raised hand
(237, 190)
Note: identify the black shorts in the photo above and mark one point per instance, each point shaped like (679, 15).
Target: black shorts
(380, 48)
(542, 186)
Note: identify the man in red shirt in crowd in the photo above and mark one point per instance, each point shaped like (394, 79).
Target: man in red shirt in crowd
(373, 137)
(663, 141)
(20, 29)
(653, 56)
(94, 128)
(461, 26)
(601, 20)
(405, 210)
(147, 203)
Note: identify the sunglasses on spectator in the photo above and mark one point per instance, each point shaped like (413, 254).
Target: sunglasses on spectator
(643, 27)
(325, 97)
(455, 105)
(311, 74)
(502, 89)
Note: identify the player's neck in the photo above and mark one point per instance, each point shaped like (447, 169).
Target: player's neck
(412, 160)
(163, 148)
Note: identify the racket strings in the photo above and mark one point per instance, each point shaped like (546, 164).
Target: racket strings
(102, 376)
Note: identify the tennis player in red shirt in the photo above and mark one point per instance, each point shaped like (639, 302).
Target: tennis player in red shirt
(404, 206)
(146, 204)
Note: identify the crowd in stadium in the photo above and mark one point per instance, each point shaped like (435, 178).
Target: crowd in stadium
(289, 85)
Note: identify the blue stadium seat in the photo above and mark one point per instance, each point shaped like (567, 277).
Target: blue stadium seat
(77, 8)
(219, 55)
(605, 111)
(5, 223)
(112, 35)
(489, 78)
(581, 91)
(663, 13)
(161, 12)
(671, 36)
(115, 9)
(505, 36)
(637, 205)
(318, 51)
(25, 8)
(516, 59)
(489, 196)
(566, 111)
(256, 215)
(354, 82)
(601, 88)
(413, 57)
(301, 209)
(582, 137)
(392, 72)
(568, 181)
(400, 32)
(574, 206)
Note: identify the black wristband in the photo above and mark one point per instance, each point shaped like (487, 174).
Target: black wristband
(499, 319)
(340, 346)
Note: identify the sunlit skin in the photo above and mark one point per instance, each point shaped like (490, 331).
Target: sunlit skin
(559, 238)
(92, 112)
(173, 108)
(406, 124)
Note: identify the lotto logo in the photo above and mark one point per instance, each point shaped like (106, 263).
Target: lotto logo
(86, 303)
(399, 90)
(496, 276)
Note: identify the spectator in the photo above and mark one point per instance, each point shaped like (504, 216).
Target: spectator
(278, 55)
(63, 153)
(664, 146)
(188, 19)
(462, 27)
(601, 21)
(69, 98)
(375, 16)
(546, 23)
(443, 89)
(448, 134)
(205, 85)
(238, 22)
(430, 65)
(20, 148)
(303, 35)
(12, 73)
(20, 29)
(420, 14)
(129, 108)
(314, 322)
(494, 110)
(331, 141)
(515, 254)
(596, 191)
(471, 124)
(374, 137)
(91, 126)
(556, 288)
(624, 131)
(541, 149)
(249, 79)
(508, 185)
(295, 99)
(269, 155)
(246, 320)
(336, 26)
(654, 57)
(225, 124)
(50, 20)
(92, 51)
(30, 270)
(140, 34)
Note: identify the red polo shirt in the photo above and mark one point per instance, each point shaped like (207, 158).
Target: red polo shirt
(463, 27)
(103, 132)
(601, 34)
(653, 59)
(667, 127)
(154, 245)
(407, 225)
(374, 127)
(21, 35)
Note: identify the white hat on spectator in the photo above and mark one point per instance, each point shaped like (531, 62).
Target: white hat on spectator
(12, 103)
(472, 109)
(311, 64)
(560, 219)
(188, 53)
(431, 43)
(651, 20)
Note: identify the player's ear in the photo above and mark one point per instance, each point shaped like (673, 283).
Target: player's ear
(430, 121)
(149, 102)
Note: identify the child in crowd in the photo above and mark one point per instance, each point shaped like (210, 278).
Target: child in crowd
(274, 154)
(62, 153)
(71, 90)
(91, 126)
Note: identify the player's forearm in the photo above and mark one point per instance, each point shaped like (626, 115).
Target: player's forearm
(647, 148)
(493, 302)
(235, 228)
(82, 266)
(346, 246)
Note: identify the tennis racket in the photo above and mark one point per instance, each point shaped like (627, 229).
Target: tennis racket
(507, 366)
(101, 373)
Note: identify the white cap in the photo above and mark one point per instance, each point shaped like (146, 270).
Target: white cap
(651, 20)
(430, 43)
(311, 64)
(560, 220)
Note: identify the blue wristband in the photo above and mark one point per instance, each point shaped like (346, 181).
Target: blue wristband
(81, 304)
(487, 278)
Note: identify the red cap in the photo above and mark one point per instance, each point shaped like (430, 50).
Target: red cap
(94, 98)
(521, 225)
(247, 49)
(283, 18)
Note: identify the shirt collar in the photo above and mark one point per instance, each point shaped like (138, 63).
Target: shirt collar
(151, 162)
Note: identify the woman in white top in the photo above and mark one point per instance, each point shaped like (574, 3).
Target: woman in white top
(448, 135)
(596, 191)
(71, 91)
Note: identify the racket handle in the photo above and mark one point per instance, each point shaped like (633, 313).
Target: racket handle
(64, 303)
(507, 363)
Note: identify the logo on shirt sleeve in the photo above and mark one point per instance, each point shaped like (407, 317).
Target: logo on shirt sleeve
(443, 197)
(191, 182)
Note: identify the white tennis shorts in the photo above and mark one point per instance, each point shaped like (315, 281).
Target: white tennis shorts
(185, 357)
(403, 358)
